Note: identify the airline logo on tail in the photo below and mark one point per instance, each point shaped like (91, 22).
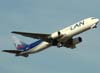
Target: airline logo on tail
(20, 47)
(19, 44)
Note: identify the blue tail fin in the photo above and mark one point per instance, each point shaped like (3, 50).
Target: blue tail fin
(19, 44)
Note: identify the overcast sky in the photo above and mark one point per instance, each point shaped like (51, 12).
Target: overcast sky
(47, 16)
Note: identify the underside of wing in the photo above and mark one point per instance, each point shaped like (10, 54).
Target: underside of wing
(33, 35)
(12, 51)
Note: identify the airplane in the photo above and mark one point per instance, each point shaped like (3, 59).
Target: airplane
(61, 38)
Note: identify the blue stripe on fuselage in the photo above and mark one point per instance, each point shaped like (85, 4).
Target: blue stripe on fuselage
(32, 45)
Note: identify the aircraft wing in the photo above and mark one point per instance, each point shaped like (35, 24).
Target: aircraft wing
(33, 35)
(12, 51)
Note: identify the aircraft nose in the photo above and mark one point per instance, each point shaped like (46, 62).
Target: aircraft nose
(97, 20)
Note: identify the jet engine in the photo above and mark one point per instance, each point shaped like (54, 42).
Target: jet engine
(73, 42)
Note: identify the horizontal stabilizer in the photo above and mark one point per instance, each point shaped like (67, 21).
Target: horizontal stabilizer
(12, 51)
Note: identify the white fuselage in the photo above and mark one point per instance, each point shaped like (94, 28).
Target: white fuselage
(67, 33)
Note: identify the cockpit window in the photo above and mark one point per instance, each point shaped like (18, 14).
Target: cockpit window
(93, 18)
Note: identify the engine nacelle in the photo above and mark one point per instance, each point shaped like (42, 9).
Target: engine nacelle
(73, 42)
(76, 40)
